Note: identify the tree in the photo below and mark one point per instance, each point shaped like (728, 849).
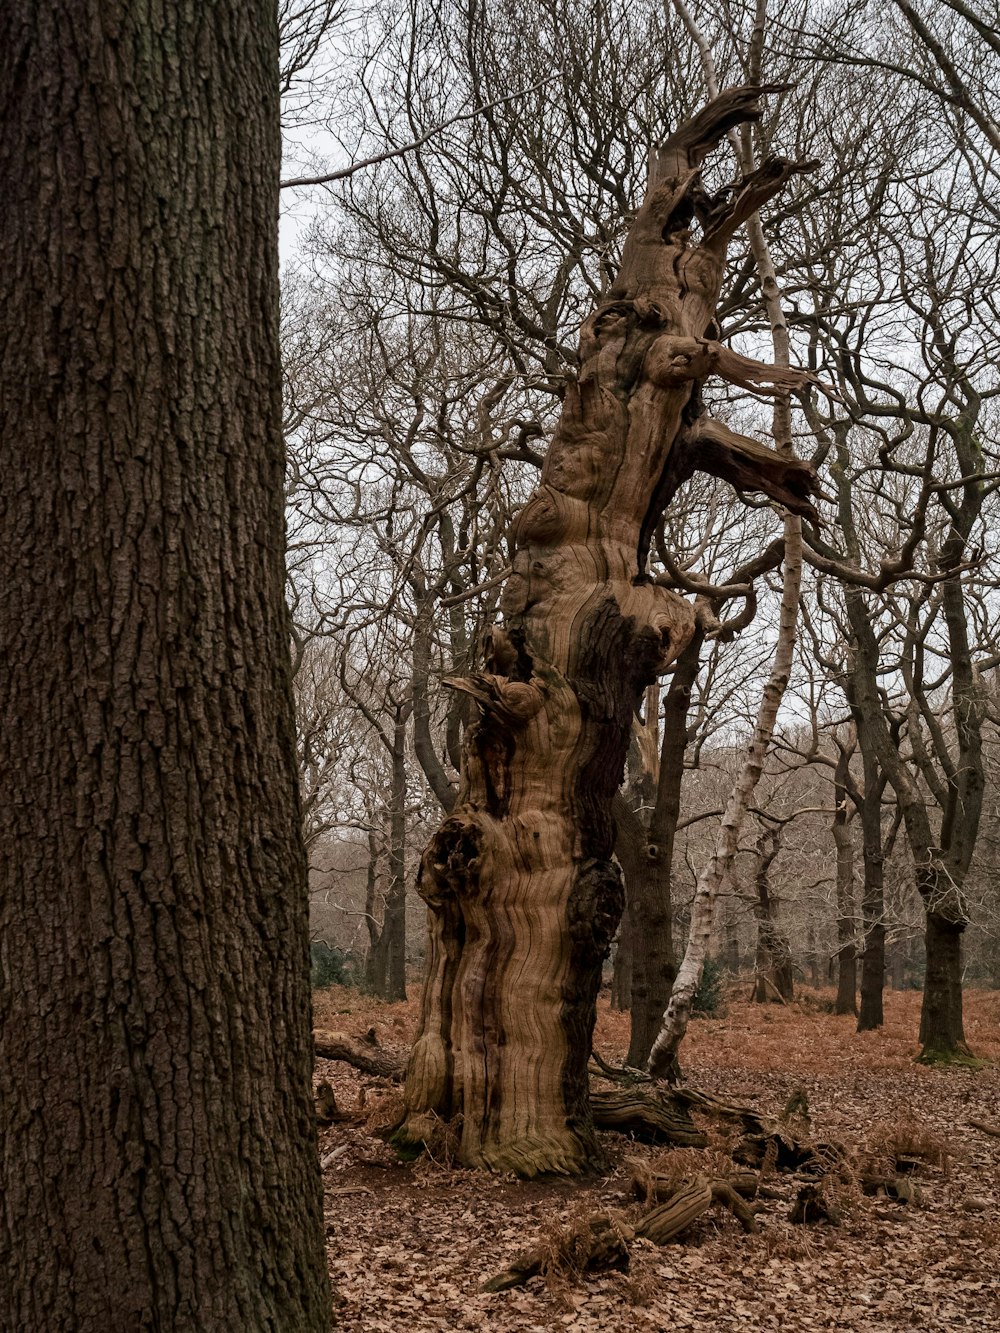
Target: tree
(159, 1166)
(523, 895)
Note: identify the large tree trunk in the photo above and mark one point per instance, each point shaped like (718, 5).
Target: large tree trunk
(159, 1163)
(523, 895)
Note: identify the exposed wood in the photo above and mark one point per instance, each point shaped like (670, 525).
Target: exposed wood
(523, 893)
(726, 1193)
(327, 1110)
(601, 1242)
(655, 1186)
(359, 1053)
(648, 1114)
(686, 1205)
(749, 465)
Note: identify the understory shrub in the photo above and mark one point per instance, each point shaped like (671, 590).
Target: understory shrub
(328, 965)
(710, 997)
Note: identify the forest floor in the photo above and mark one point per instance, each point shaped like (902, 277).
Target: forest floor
(412, 1244)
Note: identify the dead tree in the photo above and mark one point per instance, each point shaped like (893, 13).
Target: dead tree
(522, 891)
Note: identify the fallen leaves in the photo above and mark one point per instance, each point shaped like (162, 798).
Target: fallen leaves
(412, 1252)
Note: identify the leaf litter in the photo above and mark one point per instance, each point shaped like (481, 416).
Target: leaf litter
(411, 1244)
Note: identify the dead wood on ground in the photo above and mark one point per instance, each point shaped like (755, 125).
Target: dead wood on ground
(360, 1053)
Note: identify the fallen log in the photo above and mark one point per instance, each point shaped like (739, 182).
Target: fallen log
(689, 1200)
(359, 1053)
(657, 1186)
(985, 1128)
(653, 1116)
(726, 1193)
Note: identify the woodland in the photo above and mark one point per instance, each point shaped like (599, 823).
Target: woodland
(513, 695)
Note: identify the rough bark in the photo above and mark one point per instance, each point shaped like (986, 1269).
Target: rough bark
(647, 1114)
(159, 1163)
(523, 895)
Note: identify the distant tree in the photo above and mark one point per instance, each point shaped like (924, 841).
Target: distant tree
(159, 1165)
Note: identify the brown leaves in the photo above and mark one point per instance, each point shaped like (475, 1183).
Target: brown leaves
(413, 1252)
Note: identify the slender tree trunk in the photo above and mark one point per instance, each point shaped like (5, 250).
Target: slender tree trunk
(653, 966)
(847, 972)
(375, 958)
(523, 895)
(159, 1165)
(423, 741)
(870, 1013)
(663, 1054)
(774, 975)
(394, 922)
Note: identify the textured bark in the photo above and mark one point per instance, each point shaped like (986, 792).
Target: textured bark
(159, 1161)
(649, 1115)
(523, 895)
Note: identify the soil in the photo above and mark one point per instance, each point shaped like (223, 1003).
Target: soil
(411, 1244)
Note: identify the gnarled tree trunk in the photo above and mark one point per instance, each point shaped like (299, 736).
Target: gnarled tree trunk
(523, 895)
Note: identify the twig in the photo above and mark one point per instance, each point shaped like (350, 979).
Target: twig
(346, 172)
